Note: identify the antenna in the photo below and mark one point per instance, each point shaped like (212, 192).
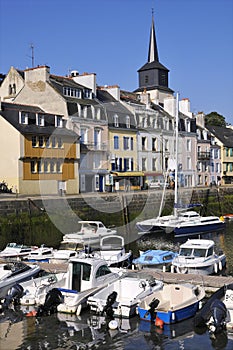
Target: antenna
(32, 56)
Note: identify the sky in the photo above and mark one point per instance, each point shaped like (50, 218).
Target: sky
(111, 39)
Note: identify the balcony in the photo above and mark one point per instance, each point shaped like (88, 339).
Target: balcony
(93, 146)
(203, 155)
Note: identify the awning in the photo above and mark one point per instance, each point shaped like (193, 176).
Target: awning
(127, 173)
(152, 173)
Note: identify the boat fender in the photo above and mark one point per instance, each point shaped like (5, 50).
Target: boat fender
(159, 323)
(181, 269)
(173, 316)
(172, 269)
(164, 268)
(216, 268)
(113, 324)
(220, 265)
(78, 311)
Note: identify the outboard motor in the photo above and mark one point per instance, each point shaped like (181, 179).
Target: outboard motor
(53, 298)
(153, 305)
(218, 312)
(14, 294)
(108, 309)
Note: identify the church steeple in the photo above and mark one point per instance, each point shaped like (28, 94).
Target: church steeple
(153, 51)
(153, 76)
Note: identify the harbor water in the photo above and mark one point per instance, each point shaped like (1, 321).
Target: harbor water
(88, 331)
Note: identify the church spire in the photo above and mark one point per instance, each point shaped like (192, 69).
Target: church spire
(153, 51)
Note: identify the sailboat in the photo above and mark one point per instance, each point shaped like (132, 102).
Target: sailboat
(181, 222)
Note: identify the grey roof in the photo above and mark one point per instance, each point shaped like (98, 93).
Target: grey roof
(10, 112)
(114, 107)
(225, 135)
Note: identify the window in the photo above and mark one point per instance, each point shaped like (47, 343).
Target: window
(127, 121)
(189, 163)
(47, 141)
(143, 143)
(144, 164)
(12, 89)
(46, 166)
(146, 79)
(59, 142)
(52, 166)
(125, 143)
(83, 139)
(53, 142)
(33, 166)
(188, 128)
(72, 92)
(59, 166)
(154, 164)
(39, 166)
(23, 117)
(189, 145)
(131, 143)
(58, 121)
(154, 143)
(87, 93)
(40, 119)
(34, 141)
(126, 164)
(97, 139)
(116, 142)
(116, 121)
(41, 141)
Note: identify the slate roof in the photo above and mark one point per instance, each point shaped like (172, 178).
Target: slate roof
(10, 112)
(225, 135)
(114, 107)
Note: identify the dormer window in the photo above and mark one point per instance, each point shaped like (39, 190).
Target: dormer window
(127, 121)
(40, 119)
(116, 121)
(23, 118)
(58, 121)
(72, 92)
(87, 93)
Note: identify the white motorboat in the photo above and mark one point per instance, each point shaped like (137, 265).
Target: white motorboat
(82, 277)
(15, 272)
(90, 232)
(14, 250)
(63, 256)
(198, 256)
(42, 254)
(112, 250)
(121, 297)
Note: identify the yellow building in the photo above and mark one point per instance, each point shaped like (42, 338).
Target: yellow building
(38, 152)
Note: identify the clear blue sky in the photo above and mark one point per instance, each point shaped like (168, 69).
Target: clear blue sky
(111, 38)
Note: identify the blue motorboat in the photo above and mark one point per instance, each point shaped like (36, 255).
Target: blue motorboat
(173, 303)
(159, 259)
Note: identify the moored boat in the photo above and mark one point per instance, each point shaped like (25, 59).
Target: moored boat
(173, 303)
(16, 251)
(15, 272)
(157, 259)
(199, 256)
(42, 254)
(90, 232)
(121, 297)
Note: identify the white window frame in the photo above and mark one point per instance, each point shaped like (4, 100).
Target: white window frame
(23, 118)
(40, 119)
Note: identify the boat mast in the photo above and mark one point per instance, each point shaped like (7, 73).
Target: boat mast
(176, 154)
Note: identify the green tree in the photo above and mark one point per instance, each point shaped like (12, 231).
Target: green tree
(214, 118)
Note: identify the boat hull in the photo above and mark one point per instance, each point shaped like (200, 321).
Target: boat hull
(171, 316)
(191, 230)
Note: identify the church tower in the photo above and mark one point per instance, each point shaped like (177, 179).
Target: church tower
(153, 76)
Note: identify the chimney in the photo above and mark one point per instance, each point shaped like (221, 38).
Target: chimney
(40, 73)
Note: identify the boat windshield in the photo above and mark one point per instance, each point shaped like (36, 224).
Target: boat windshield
(200, 253)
